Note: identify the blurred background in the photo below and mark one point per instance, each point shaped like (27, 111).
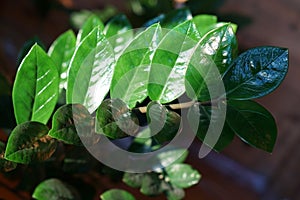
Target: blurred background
(240, 172)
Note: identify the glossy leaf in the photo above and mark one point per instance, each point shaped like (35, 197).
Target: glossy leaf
(69, 121)
(256, 73)
(114, 119)
(163, 123)
(131, 73)
(119, 33)
(172, 156)
(5, 165)
(61, 52)
(52, 189)
(133, 180)
(116, 194)
(252, 123)
(214, 53)
(176, 17)
(204, 22)
(182, 175)
(170, 61)
(29, 143)
(91, 71)
(90, 24)
(202, 115)
(35, 89)
(151, 185)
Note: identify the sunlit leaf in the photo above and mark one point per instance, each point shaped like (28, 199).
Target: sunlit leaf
(116, 194)
(90, 24)
(204, 22)
(35, 89)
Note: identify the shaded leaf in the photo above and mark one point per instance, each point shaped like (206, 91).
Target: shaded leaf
(61, 52)
(115, 120)
(5, 165)
(175, 193)
(69, 121)
(35, 89)
(182, 175)
(252, 123)
(91, 71)
(116, 194)
(214, 53)
(151, 185)
(90, 24)
(170, 61)
(203, 115)
(29, 143)
(5, 87)
(131, 73)
(53, 189)
(133, 180)
(256, 73)
(176, 17)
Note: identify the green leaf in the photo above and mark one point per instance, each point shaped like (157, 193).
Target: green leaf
(202, 115)
(131, 73)
(204, 22)
(172, 156)
(176, 17)
(151, 185)
(61, 52)
(91, 23)
(116, 194)
(163, 123)
(29, 143)
(35, 89)
(252, 123)
(119, 33)
(170, 61)
(175, 193)
(133, 180)
(115, 120)
(69, 121)
(91, 71)
(183, 175)
(53, 189)
(212, 56)
(5, 165)
(256, 73)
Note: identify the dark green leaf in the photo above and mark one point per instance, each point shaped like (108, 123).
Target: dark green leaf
(116, 194)
(90, 24)
(69, 121)
(175, 193)
(204, 22)
(29, 143)
(151, 185)
(169, 63)
(164, 124)
(176, 17)
(5, 165)
(7, 117)
(53, 189)
(252, 123)
(114, 119)
(91, 71)
(61, 52)
(130, 79)
(183, 175)
(202, 115)
(5, 87)
(134, 180)
(119, 33)
(256, 73)
(214, 52)
(35, 89)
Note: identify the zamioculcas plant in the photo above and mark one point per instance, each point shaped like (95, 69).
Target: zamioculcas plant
(177, 77)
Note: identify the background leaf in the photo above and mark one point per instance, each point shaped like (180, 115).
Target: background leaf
(176, 17)
(204, 22)
(91, 71)
(116, 194)
(151, 185)
(5, 165)
(131, 73)
(29, 143)
(90, 24)
(170, 61)
(182, 175)
(53, 189)
(256, 73)
(61, 52)
(69, 121)
(252, 123)
(134, 180)
(35, 89)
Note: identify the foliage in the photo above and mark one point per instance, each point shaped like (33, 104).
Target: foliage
(93, 85)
